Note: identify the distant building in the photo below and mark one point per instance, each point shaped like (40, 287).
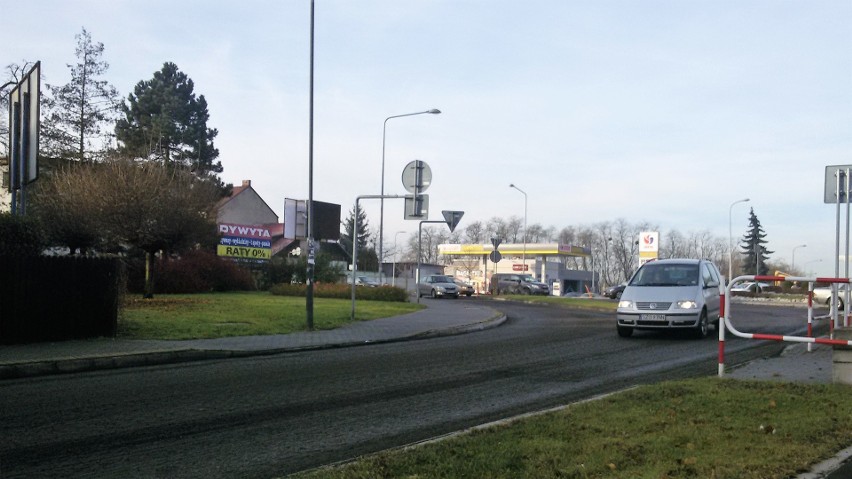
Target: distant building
(546, 262)
(245, 207)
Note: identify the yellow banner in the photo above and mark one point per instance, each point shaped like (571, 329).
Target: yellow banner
(243, 252)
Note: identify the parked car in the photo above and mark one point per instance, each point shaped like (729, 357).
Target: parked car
(464, 288)
(365, 281)
(747, 287)
(822, 295)
(438, 285)
(511, 283)
(670, 294)
(614, 292)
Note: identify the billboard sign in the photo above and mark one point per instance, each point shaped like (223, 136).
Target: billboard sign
(245, 242)
(649, 245)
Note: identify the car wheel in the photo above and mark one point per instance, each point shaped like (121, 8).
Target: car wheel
(525, 291)
(624, 332)
(703, 327)
(468, 294)
(433, 294)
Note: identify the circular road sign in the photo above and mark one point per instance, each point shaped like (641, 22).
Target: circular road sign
(495, 256)
(416, 176)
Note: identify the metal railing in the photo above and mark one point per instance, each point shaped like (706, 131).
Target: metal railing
(725, 321)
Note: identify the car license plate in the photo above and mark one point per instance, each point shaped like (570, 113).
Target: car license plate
(653, 317)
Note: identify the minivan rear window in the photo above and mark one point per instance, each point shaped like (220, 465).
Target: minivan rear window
(666, 275)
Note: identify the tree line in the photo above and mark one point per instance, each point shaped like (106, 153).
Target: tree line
(614, 244)
(139, 174)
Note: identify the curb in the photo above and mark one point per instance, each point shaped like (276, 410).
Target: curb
(158, 358)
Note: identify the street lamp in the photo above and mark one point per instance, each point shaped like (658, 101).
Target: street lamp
(433, 111)
(524, 254)
(793, 261)
(731, 240)
(393, 271)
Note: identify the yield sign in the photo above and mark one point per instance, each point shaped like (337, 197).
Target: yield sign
(452, 218)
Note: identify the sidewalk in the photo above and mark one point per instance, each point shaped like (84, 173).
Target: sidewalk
(439, 318)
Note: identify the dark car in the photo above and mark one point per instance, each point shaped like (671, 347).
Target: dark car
(511, 283)
(614, 292)
(464, 288)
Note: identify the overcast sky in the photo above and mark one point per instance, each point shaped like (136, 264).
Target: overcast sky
(657, 111)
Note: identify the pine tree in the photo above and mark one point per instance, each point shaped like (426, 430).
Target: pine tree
(367, 257)
(82, 110)
(754, 237)
(164, 121)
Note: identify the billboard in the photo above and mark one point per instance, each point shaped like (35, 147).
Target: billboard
(649, 246)
(245, 242)
(326, 220)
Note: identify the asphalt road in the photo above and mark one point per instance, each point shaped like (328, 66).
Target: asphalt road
(269, 416)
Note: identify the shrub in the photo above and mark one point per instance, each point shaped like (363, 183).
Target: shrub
(201, 272)
(20, 236)
(342, 291)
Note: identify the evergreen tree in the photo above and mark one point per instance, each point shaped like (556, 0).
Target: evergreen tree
(367, 257)
(79, 111)
(164, 121)
(754, 262)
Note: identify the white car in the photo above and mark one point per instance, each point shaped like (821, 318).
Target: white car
(670, 294)
(823, 295)
(749, 287)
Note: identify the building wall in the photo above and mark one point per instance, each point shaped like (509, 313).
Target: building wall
(247, 208)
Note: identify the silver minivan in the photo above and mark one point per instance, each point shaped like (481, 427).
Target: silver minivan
(671, 294)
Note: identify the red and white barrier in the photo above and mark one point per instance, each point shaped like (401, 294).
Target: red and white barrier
(725, 321)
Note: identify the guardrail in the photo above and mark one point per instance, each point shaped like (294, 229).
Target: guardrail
(725, 321)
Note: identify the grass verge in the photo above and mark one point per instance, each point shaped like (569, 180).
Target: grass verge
(216, 315)
(707, 428)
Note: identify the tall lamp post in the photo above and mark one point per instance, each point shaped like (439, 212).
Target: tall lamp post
(793, 261)
(433, 111)
(731, 240)
(524, 254)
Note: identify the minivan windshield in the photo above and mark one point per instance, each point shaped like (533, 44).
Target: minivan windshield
(527, 278)
(666, 275)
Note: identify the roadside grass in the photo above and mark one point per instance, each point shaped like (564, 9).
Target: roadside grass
(708, 428)
(216, 315)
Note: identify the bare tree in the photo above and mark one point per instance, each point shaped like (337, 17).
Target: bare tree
(143, 205)
(82, 110)
(475, 233)
(538, 234)
(515, 230)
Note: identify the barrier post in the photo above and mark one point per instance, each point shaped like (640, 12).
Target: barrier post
(810, 313)
(722, 315)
